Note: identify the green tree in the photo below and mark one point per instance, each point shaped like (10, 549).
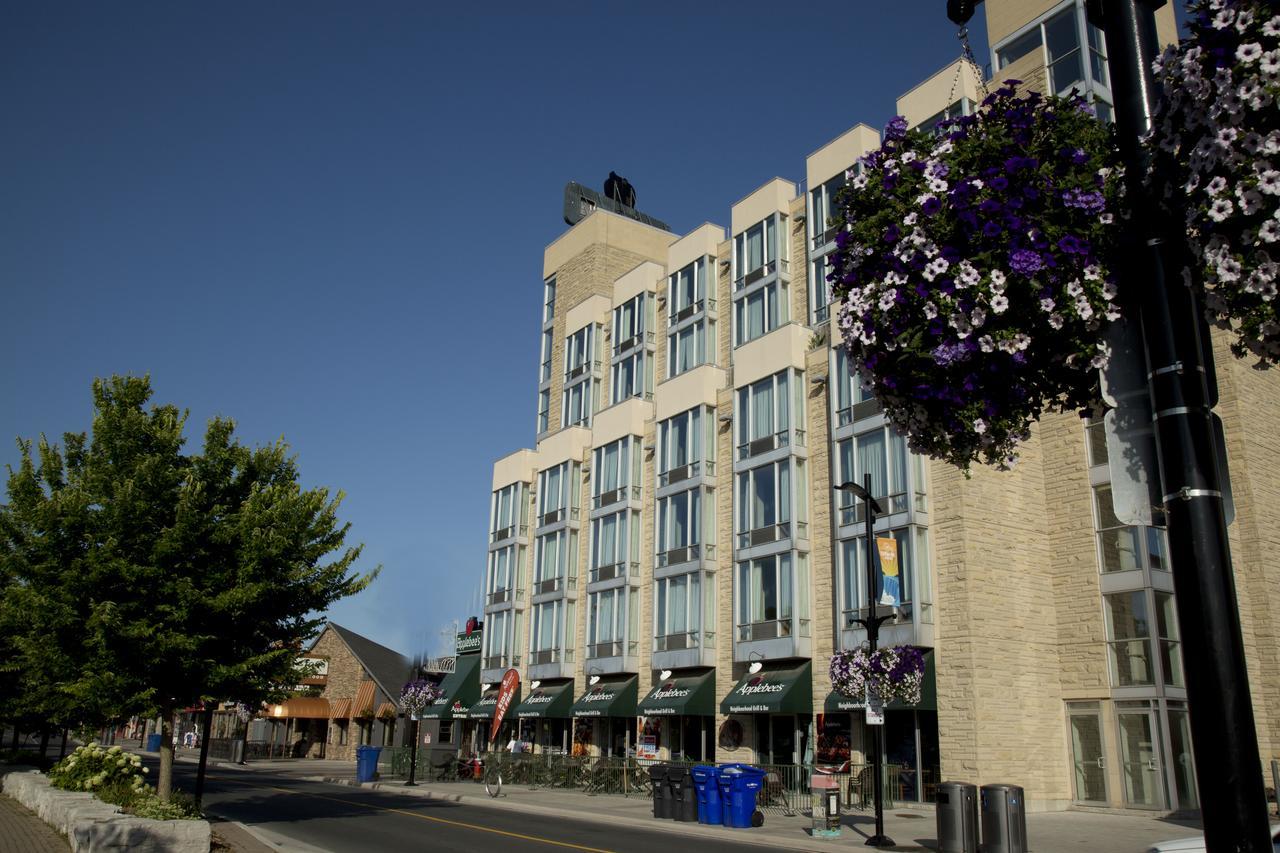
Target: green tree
(195, 577)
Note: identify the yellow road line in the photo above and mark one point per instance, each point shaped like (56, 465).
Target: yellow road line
(417, 815)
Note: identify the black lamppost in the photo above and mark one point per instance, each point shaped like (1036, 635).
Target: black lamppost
(872, 623)
(413, 752)
(1181, 388)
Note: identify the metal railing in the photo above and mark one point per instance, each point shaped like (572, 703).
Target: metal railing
(773, 533)
(614, 570)
(684, 640)
(680, 473)
(615, 495)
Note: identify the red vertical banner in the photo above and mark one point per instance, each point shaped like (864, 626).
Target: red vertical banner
(510, 684)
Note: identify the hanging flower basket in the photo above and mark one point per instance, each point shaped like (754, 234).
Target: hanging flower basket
(972, 273)
(896, 672)
(417, 695)
(1218, 134)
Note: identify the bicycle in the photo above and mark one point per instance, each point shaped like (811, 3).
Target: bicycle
(493, 779)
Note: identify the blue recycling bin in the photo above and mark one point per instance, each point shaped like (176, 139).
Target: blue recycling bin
(367, 763)
(153, 742)
(738, 786)
(708, 784)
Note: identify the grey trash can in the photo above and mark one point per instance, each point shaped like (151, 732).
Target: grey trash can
(237, 752)
(957, 810)
(1004, 819)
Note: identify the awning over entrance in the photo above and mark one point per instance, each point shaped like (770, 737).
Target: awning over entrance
(692, 695)
(837, 703)
(459, 690)
(362, 705)
(784, 687)
(488, 705)
(302, 707)
(339, 709)
(548, 700)
(611, 696)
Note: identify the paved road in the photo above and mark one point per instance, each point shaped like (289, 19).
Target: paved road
(295, 815)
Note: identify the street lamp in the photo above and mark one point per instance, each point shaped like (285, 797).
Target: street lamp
(872, 623)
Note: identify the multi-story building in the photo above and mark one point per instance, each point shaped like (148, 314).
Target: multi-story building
(670, 568)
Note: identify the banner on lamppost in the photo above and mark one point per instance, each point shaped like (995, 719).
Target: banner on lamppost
(510, 684)
(890, 584)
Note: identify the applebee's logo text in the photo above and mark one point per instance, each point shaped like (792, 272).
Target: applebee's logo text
(763, 687)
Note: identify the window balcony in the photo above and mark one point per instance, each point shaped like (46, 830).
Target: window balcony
(772, 629)
(782, 438)
(780, 267)
(684, 640)
(592, 367)
(637, 340)
(611, 649)
(614, 571)
(542, 657)
(557, 584)
(500, 661)
(857, 411)
(687, 554)
(772, 533)
(680, 473)
(822, 238)
(556, 516)
(616, 496)
(509, 532)
(691, 310)
(853, 514)
(503, 596)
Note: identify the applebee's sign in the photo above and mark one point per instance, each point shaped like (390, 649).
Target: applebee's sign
(468, 644)
(755, 687)
(667, 691)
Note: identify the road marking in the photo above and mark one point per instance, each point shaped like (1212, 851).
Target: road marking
(459, 823)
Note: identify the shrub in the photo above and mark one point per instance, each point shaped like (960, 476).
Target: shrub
(92, 767)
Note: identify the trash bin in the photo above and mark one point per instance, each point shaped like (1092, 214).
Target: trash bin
(686, 794)
(237, 752)
(367, 763)
(662, 805)
(738, 786)
(1004, 819)
(957, 810)
(825, 808)
(708, 788)
(153, 742)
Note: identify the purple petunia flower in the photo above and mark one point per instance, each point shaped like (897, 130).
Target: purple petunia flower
(896, 128)
(930, 205)
(1025, 261)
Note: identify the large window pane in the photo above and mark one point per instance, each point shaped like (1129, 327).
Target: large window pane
(1129, 634)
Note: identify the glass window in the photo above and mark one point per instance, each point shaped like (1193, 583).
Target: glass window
(822, 208)
(848, 392)
(544, 410)
(577, 350)
(679, 520)
(1123, 548)
(632, 377)
(681, 441)
(606, 622)
(882, 453)
(758, 312)
(763, 413)
(579, 403)
(546, 356)
(677, 606)
(545, 627)
(853, 570)
(549, 299)
(1170, 648)
(504, 508)
(614, 538)
(1129, 632)
(686, 348)
(1019, 47)
(764, 496)
(764, 596)
(1097, 55)
(1062, 40)
(687, 287)
(819, 290)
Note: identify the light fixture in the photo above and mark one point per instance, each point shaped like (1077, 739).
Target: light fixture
(664, 675)
(819, 379)
(534, 685)
(594, 672)
(757, 663)
(649, 448)
(484, 688)
(724, 419)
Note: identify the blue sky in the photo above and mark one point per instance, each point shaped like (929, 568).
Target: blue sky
(326, 220)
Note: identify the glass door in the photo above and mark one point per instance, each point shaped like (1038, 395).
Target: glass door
(1184, 771)
(1087, 755)
(1140, 767)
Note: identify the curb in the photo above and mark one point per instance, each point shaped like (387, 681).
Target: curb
(685, 830)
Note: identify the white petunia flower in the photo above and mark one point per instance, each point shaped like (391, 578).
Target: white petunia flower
(1055, 320)
(999, 304)
(1221, 209)
(986, 344)
(1249, 53)
(1046, 304)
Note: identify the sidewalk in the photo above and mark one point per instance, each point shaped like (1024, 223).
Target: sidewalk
(22, 831)
(912, 828)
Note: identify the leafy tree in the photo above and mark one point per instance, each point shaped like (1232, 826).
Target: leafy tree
(172, 579)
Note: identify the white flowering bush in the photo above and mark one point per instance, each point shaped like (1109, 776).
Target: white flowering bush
(417, 695)
(973, 272)
(1217, 135)
(94, 768)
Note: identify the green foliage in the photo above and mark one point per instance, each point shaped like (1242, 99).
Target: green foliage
(94, 768)
(181, 806)
(138, 579)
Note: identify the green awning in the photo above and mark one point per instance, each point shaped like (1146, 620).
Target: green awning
(611, 696)
(785, 687)
(691, 695)
(838, 703)
(488, 704)
(548, 700)
(458, 692)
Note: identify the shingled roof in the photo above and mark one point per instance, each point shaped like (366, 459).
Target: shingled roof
(389, 668)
